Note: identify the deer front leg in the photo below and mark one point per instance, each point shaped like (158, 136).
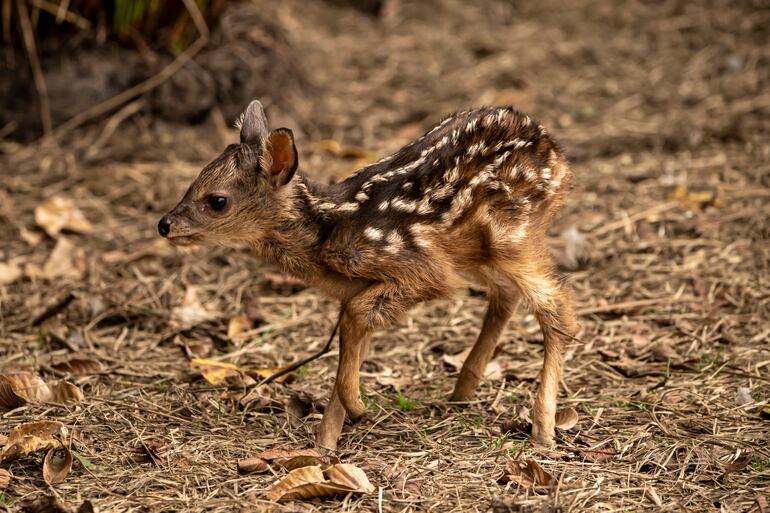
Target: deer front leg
(354, 337)
(334, 414)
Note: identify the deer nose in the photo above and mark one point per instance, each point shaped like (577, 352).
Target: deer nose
(164, 226)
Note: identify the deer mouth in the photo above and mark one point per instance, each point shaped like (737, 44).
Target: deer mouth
(183, 240)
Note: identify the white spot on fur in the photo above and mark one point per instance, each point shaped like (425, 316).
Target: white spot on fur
(373, 233)
(347, 207)
(361, 196)
(383, 206)
(403, 205)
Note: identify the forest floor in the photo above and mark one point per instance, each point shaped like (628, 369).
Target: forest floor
(664, 110)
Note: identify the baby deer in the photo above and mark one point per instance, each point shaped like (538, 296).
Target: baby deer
(468, 201)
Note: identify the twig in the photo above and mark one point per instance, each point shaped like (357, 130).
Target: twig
(657, 209)
(34, 63)
(627, 305)
(112, 125)
(296, 365)
(61, 13)
(54, 309)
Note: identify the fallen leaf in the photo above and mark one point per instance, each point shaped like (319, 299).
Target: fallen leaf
(345, 152)
(314, 481)
(22, 388)
(219, 373)
(65, 261)
(519, 422)
(576, 250)
(743, 396)
(663, 352)
(5, 479)
(249, 465)
(296, 410)
(80, 366)
(761, 505)
(59, 213)
(237, 325)
(598, 455)
(31, 237)
(191, 312)
(32, 437)
(566, 418)
(63, 392)
(9, 272)
(739, 463)
(53, 504)
(526, 473)
(267, 372)
(288, 459)
(57, 465)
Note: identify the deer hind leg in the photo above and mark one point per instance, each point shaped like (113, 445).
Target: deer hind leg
(551, 303)
(334, 414)
(502, 304)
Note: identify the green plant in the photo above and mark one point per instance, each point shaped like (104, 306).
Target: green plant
(405, 404)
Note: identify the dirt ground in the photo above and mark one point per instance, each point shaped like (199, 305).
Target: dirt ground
(664, 110)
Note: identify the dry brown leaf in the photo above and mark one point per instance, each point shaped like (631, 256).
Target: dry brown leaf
(566, 418)
(191, 312)
(57, 465)
(63, 392)
(32, 437)
(743, 396)
(59, 213)
(267, 372)
(526, 473)
(761, 504)
(65, 261)
(53, 504)
(598, 455)
(296, 410)
(663, 352)
(518, 422)
(219, 373)
(250, 465)
(31, 237)
(79, 366)
(5, 479)
(9, 272)
(22, 388)
(237, 325)
(314, 482)
(288, 459)
(576, 251)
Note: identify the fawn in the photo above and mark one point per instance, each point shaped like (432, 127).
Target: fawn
(469, 201)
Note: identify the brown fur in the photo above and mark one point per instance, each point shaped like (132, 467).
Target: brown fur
(469, 200)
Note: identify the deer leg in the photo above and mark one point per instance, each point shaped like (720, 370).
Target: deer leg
(552, 306)
(500, 308)
(334, 414)
(353, 336)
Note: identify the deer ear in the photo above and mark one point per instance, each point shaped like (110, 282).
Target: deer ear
(279, 156)
(253, 124)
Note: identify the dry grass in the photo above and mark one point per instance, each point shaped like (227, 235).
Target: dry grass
(656, 105)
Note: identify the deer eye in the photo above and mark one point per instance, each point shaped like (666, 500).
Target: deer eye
(217, 203)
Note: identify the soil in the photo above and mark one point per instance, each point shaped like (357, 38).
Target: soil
(663, 108)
